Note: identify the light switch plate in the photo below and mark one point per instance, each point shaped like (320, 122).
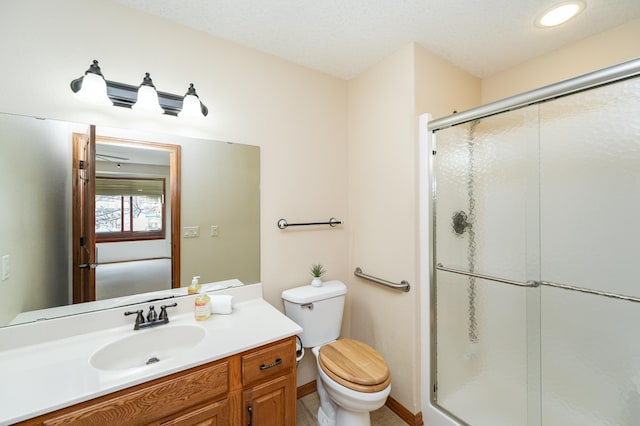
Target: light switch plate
(214, 230)
(191, 231)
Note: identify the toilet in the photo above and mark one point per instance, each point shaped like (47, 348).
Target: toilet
(353, 378)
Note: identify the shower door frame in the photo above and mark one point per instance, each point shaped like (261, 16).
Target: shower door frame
(435, 414)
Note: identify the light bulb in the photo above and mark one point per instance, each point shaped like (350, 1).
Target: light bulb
(191, 105)
(147, 97)
(93, 88)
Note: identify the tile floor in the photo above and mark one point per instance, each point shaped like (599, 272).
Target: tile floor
(307, 410)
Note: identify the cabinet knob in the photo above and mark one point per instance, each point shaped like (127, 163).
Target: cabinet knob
(250, 410)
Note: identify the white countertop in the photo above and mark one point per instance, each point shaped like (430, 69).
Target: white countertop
(37, 378)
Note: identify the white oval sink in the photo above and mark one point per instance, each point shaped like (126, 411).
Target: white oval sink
(147, 346)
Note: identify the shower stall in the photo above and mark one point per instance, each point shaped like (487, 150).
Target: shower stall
(533, 226)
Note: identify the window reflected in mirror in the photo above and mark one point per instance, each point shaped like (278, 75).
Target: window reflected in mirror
(129, 209)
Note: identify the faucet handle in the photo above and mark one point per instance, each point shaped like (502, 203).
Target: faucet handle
(152, 315)
(163, 311)
(139, 317)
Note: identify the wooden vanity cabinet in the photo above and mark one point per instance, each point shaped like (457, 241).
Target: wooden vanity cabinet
(256, 387)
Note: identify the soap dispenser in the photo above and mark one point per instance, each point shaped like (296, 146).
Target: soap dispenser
(194, 288)
(202, 307)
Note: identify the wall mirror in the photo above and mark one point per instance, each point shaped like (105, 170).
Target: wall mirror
(218, 211)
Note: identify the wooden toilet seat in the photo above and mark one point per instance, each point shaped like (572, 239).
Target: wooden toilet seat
(355, 365)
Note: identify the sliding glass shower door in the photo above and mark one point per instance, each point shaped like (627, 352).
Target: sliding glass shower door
(487, 257)
(536, 250)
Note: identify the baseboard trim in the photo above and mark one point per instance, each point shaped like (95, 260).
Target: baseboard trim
(306, 389)
(407, 416)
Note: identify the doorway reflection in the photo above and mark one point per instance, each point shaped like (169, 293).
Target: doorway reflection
(134, 210)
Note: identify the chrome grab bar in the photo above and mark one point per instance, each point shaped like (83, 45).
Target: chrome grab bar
(404, 285)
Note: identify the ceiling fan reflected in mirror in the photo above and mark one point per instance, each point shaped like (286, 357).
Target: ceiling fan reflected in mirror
(111, 158)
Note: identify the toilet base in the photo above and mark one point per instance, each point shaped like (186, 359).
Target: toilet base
(343, 417)
(324, 419)
(327, 409)
(346, 417)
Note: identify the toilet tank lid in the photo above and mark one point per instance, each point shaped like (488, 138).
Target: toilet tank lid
(309, 294)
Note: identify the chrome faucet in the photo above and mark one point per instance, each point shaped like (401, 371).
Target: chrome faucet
(153, 319)
(152, 315)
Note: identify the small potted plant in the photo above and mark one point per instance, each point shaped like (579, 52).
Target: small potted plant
(317, 271)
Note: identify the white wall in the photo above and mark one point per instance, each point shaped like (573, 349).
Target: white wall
(384, 103)
(593, 53)
(381, 210)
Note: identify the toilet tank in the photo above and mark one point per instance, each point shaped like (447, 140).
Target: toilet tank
(318, 310)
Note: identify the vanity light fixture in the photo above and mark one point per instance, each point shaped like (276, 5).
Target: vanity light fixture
(147, 97)
(141, 98)
(559, 14)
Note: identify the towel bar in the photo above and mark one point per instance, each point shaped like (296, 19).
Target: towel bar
(282, 223)
(404, 285)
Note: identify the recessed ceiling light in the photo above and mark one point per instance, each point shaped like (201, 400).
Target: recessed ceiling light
(559, 14)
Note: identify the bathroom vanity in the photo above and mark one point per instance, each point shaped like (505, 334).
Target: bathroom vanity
(240, 371)
(255, 387)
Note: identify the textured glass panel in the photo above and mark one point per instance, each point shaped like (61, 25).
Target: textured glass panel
(482, 382)
(590, 187)
(486, 176)
(590, 360)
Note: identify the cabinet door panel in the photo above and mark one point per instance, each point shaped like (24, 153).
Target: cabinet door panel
(271, 404)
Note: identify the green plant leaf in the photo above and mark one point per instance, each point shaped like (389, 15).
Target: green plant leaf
(317, 270)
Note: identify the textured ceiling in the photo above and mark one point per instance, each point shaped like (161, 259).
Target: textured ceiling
(345, 37)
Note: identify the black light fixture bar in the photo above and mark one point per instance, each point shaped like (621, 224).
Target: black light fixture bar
(125, 95)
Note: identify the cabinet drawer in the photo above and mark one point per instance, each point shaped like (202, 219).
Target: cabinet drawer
(148, 402)
(268, 362)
